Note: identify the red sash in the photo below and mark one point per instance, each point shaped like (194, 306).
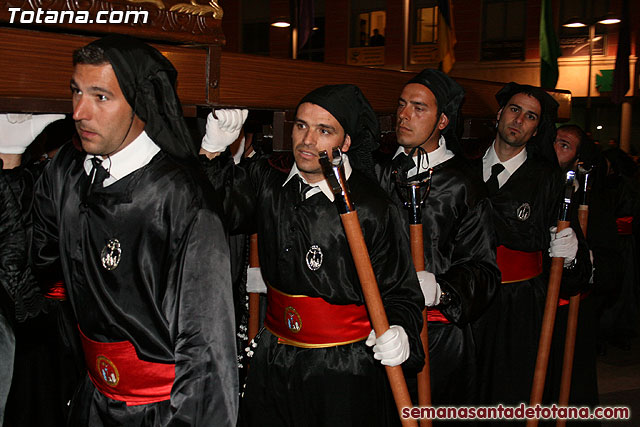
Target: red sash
(116, 371)
(435, 315)
(625, 225)
(312, 322)
(517, 266)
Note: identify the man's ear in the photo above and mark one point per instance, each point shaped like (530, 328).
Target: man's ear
(346, 144)
(498, 115)
(443, 122)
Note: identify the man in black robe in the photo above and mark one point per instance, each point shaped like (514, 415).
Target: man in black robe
(459, 243)
(143, 252)
(572, 145)
(312, 366)
(525, 188)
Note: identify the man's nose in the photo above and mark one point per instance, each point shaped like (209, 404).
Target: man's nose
(80, 109)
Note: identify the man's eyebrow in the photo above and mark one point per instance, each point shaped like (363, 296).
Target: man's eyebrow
(520, 107)
(94, 88)
(320, 125)
(422, 104)
(324, 126)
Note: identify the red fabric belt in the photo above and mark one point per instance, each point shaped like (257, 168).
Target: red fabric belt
(57, 291)
(312, 322)
(116, 371)
(625, 225)
(517, 266)
(435, 315)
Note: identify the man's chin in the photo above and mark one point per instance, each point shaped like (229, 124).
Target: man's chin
(516, 144)
(90, 147)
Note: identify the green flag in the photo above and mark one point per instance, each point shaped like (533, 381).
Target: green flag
(549, 48)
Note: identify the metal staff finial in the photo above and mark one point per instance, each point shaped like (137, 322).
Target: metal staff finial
(414, 192)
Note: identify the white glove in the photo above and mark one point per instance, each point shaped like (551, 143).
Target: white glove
(237, 157)
(223, 130)
(564, 244)
(255, 282)
(430, 288)
(17, 131)
(392, 347)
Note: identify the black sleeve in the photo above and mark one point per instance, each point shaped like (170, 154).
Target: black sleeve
(473, 276)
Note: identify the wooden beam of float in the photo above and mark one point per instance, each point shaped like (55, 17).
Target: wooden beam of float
(35, 64)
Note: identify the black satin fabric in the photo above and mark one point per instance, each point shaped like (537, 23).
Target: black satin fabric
(459, 248)
(20, 298)
(584, 378)
(170, 295)
(619, 291)
(510, 330)
(255, 200)
(299, 387)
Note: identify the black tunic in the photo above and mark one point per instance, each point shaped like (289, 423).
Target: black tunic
(511, 328)
(170, 294)
(339, 385)
(459, 248)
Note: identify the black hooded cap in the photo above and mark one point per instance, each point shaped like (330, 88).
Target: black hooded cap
(542, 143)
(354, 113)
(449, 96)
(148, 81)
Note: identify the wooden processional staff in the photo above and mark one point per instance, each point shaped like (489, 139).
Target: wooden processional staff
(334, 172)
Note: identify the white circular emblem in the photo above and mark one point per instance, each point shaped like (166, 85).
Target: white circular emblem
(314, 258)
(110, 254)
(523, 212)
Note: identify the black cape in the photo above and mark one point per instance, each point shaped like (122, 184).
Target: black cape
(170, 294)
(510, 331)
(287, 385)
(459, 248)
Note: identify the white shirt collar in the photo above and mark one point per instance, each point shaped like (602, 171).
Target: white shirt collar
(510, 166)
(132, 157)
(432, 159)
(320, 186)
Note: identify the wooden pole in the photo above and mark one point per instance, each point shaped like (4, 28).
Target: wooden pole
(424, 376)
(548, 320)
(334, 173)
(572, 327)
(254, 298)
(373, 301)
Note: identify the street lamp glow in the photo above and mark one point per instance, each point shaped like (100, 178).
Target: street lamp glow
(599, 127)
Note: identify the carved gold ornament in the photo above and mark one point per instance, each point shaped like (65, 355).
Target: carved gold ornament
(197, 9)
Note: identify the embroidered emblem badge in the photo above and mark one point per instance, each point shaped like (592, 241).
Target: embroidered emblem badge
(523, 212)
(314, 258)
(292, 319)
(108, 371)
(110, 254)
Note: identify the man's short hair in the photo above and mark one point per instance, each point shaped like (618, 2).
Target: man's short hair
(577, 131)
(89, 55)
(587, 151)
(542, 142)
